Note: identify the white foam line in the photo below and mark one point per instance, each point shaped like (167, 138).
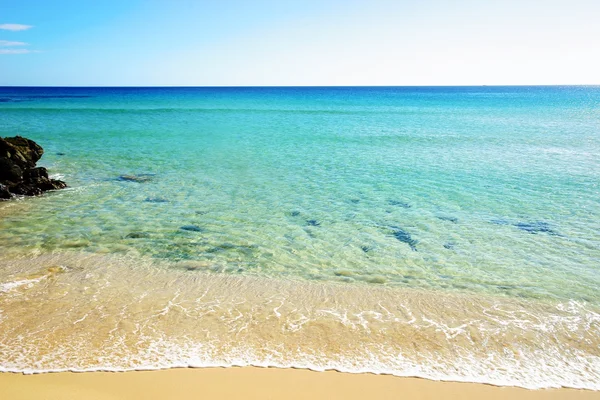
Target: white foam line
(240, 363)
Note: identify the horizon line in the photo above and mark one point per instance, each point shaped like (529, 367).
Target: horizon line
(294, 86)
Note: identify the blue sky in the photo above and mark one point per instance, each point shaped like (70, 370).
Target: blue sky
(327, 42)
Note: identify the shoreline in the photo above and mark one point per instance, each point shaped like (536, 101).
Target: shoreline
(256, 383)
(176, 318)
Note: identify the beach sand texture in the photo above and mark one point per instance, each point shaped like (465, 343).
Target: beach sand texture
(256, 383)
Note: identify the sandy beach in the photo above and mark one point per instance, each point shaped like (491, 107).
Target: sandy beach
(255, 383)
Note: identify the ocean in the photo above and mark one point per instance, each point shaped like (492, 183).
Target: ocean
(450, 233)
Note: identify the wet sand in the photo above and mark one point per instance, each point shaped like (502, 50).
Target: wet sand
(255, 383)
(88, 312)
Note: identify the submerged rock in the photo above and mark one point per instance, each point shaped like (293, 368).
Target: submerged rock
(533, 227)
(137, 235)
(399, 203)
(18, 173)
(156, 200)
(405, 237)
(191, 228)
(313, 222)
(536, 227)
(141, 178)
(366, 248)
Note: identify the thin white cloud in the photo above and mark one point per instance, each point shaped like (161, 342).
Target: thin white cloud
(7, 43)
(15, 27)
(17, 51)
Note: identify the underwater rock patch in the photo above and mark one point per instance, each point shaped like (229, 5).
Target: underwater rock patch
(312, 222)
(156, 200)
(140, 178)
(247, 250)
(533, 227)
(536, 227)
(404, 237)
(399, 203)
(191, 228)
(366, 249)
(454, 220)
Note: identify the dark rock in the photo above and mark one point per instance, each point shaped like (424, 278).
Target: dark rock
(57, 184)
(449, 246)
(36, 174)
(18, 173)
(26, 189)
(23, 152)
(191, 228)
(4, 193)
(60, 154)
(9, 170)
(313, 222)
(405, 237)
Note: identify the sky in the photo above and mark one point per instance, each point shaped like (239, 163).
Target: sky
(298, 43)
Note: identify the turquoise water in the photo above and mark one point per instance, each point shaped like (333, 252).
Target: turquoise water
(457, 169)
(490, 191)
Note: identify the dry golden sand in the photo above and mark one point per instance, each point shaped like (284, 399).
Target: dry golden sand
(254, 383)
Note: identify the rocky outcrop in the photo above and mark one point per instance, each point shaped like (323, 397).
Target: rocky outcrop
(18, 173)
(4, 193)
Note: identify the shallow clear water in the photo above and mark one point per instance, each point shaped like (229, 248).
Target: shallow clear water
(487, 193)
